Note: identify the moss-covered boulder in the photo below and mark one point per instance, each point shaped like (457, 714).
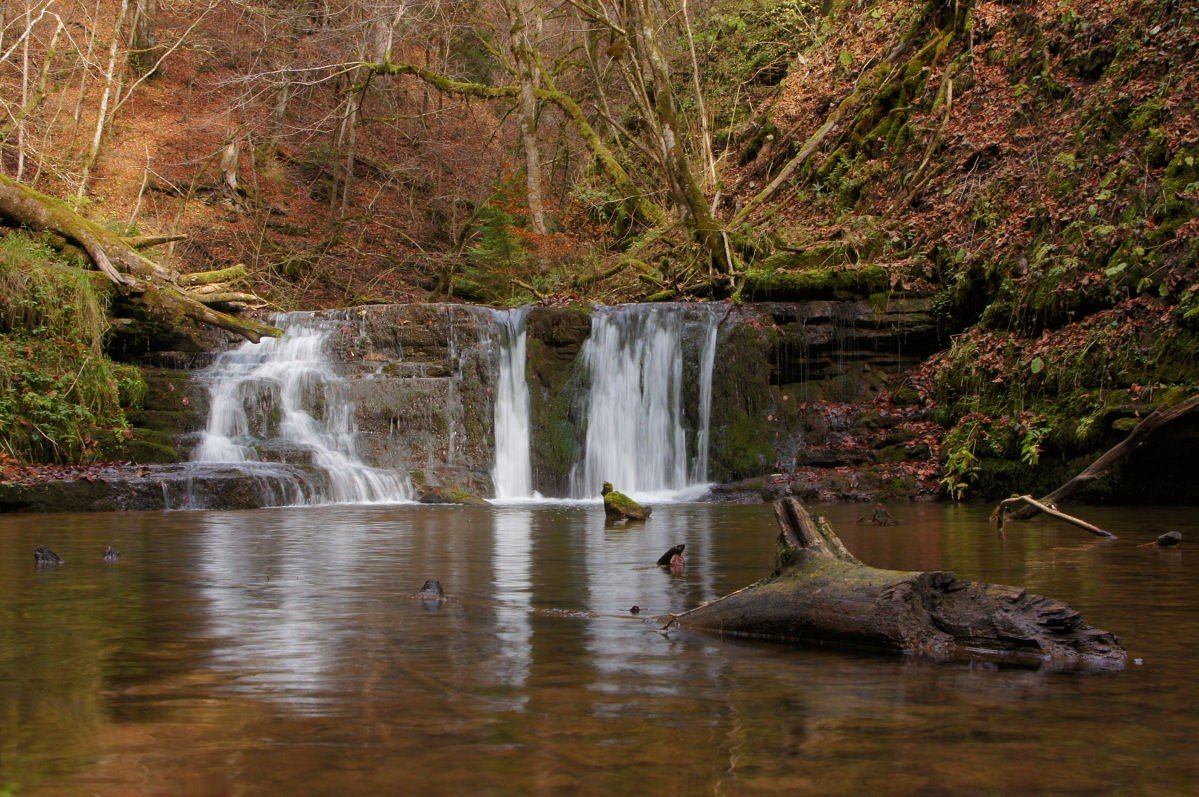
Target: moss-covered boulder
(618, 506)
(450, 495)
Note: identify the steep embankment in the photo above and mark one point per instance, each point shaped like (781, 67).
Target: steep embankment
(1033, 165)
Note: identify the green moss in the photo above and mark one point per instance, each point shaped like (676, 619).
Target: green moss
(618, 506)
(463, 288)
(1147, 114)
(817, 283)
(742, 439)
(61, 397)
(555, 337)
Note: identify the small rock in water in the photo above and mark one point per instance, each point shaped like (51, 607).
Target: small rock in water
(44, 556)
(619, 507)
(431, 591)
(1169, 539)
(111, 555)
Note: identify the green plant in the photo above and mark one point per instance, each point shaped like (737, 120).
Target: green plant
(962, 465)
(1034, 431)
(61, 398)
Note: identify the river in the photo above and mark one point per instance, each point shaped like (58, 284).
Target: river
(278, 652)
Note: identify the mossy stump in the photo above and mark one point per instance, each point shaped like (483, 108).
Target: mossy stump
(821, 594)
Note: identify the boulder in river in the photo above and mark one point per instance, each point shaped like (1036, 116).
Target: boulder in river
(618, 506)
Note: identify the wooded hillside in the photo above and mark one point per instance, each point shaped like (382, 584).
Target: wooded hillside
(1032, 165)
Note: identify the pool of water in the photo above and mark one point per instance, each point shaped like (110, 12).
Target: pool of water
(279, 652)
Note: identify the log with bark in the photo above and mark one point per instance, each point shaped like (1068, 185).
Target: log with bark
(163, 291)
(820, 593)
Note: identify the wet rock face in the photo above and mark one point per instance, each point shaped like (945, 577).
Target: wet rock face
(557, 419)
(830, 343)
(778, 357)
(422, 381)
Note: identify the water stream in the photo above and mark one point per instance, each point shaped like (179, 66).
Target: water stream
(637, 436)
(280, 400)
(512, 474)
(281, 411)
(274, 651)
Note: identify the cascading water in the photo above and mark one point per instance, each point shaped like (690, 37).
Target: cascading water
(512, 473)
(263, 397)
(636, 436)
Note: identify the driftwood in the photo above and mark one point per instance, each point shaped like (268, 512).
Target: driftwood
(820, 593)
(1027, 500)
(1152, 423)
(130, 272)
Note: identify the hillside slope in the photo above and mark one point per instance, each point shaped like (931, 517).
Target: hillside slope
(1034, 165)
(1031, 165)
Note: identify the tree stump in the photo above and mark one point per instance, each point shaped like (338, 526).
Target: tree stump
(820, 593)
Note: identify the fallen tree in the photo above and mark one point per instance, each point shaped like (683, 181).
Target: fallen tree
(1151, 425)
(820, 593)
(132, 274)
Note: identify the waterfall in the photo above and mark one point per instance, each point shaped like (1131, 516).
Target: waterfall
(512, 473)
(281, 397)
(636, 434)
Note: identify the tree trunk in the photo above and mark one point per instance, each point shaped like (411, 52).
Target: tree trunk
(1136, 438)
(821, 594)
(523, 20)
(688, 190)
(110, 89)
(131, 271)
(143, 46)
(633, 197)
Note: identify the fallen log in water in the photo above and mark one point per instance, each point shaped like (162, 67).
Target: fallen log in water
(821, 593)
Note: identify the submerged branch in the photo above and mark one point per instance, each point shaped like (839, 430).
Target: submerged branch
(1050, 510)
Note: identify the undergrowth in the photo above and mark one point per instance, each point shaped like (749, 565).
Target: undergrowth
(61, 399)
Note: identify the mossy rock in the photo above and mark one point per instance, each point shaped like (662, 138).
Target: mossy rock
(742, 441)
(451, 495)
(560, 327)
(618, 506)
(815, 283)
(827, 255)
(146, 447)
(468, 289)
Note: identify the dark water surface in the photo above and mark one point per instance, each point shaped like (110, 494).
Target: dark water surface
(274, 652)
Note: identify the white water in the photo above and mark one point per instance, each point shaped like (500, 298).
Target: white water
(635, 416)
(512, 473)
(260, 394)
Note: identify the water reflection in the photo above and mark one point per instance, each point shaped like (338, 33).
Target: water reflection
(275, 651)
(512, 540)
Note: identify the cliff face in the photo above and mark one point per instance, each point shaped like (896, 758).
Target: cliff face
(423, 379)
(1034, 166)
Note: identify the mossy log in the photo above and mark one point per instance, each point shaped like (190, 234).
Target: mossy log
(129, 270)
(820, 593)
